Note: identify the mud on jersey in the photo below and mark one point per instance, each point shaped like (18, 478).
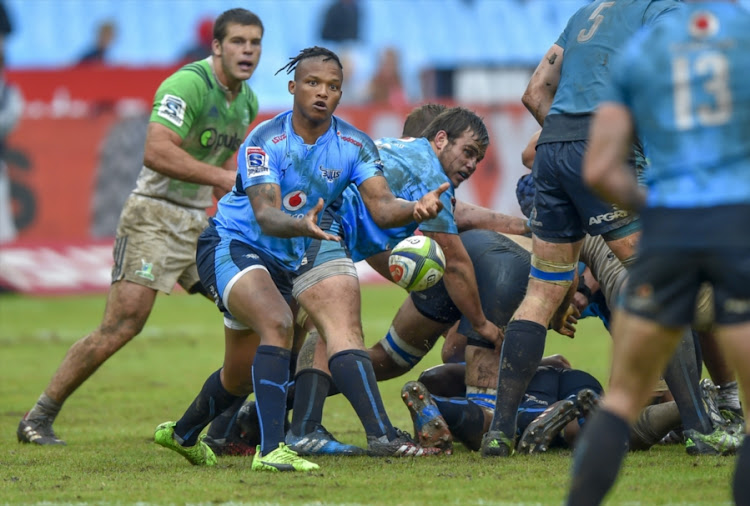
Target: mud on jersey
(192, 103)
(274, 154)
(412, 170)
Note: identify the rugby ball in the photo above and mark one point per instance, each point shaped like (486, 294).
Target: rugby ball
(416, 263)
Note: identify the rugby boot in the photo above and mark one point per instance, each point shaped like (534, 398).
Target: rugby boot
(545, 427)
(430, 427)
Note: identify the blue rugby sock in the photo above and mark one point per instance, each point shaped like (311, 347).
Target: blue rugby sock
(522, 351)
(464, 418)
(599, 453)
(353, 374)
(212, 400)
(270, 379)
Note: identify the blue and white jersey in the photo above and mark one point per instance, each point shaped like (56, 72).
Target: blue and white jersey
(690, 101)
(274, 153)
(412, 169)
(590, 40)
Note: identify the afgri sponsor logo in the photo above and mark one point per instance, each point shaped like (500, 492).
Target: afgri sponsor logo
(595, 220)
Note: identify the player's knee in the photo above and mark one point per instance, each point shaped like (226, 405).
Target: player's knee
(556, 273)
(278, 329)
(120, 329)
(403, 354)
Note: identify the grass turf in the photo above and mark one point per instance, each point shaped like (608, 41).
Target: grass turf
(109, 423)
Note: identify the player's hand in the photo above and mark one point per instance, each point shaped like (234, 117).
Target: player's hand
(311, 228)
(492, 333)
(430, 205)
(556, 360)
(567, 325)
(580, 301)
(225, 184)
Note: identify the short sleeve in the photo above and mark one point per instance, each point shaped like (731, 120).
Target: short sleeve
(178, 102)
(256, 163)
(368, 162)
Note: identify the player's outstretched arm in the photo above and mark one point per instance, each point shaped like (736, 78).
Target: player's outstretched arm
(468, 217)
(461, 284)
(543, 84)
(388, 211)
(164, 154)
(266, 201)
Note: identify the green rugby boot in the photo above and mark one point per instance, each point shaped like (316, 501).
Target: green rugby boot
(198, 455)
(281, 459)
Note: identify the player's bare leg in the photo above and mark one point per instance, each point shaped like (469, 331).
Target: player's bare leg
(735, 342)
(642, 349)
(339, 324)
(128, 307)
(410, 336)
(553, 267)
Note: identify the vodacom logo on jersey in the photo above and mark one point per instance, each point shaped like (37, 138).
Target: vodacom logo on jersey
(295, 200)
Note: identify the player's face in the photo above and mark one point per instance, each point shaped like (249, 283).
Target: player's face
(460, 157)
(316, 89)
(239, 52)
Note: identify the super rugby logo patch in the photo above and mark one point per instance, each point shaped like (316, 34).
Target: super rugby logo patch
(172, 108)
(295, 200)
(257, 162)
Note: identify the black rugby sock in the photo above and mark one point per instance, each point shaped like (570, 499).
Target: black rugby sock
(741, 485)
(599, 453)
(352, 372)
(212, 400)
(522, 351)
(222, 425)
(310, 392)
(683, 376)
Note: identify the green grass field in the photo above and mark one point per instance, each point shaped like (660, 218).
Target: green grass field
(109, 423)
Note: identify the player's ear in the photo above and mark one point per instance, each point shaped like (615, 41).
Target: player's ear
(441, 139)
(216, 47)
(291, 87)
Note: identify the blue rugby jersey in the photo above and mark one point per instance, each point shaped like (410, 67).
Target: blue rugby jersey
(591, 38)
(690, 101)
(274, 153)
(412, 169)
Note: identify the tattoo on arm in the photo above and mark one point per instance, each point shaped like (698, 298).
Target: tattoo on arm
(265, 192)
(552, 59)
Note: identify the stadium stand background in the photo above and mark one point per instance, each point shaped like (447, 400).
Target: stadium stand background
(429, 34)
(89, 123)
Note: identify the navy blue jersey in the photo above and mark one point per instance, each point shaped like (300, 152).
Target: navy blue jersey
(274, 153)
(691, 103)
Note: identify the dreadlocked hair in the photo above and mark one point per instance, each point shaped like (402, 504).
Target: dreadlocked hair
(310, 52)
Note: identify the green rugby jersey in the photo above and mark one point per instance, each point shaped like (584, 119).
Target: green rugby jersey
(192, 102)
